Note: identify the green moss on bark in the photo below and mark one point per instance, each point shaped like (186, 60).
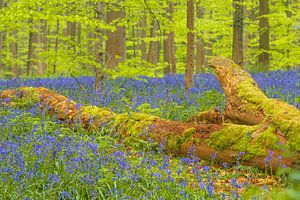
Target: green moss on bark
(174, 142)
(32, 97)
(286, 118)
(253, 140)
(132, 124)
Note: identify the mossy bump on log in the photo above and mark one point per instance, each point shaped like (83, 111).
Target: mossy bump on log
(286, 119)
(253, 140)
(22, 97)
(133, 124)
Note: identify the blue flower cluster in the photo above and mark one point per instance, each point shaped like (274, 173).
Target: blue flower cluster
(41, 159)
(164, 97)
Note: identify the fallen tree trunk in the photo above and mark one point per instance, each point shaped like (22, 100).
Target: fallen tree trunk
(259, 128)
(247, 104)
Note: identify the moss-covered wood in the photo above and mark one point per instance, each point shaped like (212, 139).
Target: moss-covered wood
(251, 123)
(247, 104)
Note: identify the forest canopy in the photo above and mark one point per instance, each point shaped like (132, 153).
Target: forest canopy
(145, 37)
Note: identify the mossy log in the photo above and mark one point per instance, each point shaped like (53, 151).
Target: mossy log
(247, 104)
(249, 125)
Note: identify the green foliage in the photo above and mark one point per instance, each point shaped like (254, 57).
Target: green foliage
(133, 68)
(77, 55)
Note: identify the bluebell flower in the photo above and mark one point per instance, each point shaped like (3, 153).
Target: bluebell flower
(182, 192)
(201, 185)
(65, 195)
(205, 168)
(210, 190)
(225, 165)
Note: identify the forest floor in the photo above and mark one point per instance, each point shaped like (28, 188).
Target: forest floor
(41, 158)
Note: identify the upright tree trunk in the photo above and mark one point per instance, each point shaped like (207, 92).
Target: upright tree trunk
(14, 52)
(238, 31)
(71, 33)
(210, 42)
(189, 70)
(288, 15)
(247, 15)
(32, 57)
(30, 52)
(116, 40)
(44, 43)
(169, 44)
(200, 50)
(78, 38)
(153, 54)
(56, 45)
(78, 33)
(134, 41)
(1, 42)
(264, 38)
(100, 48)
(143, 33)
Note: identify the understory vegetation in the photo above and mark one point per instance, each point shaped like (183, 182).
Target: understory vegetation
(42, 158)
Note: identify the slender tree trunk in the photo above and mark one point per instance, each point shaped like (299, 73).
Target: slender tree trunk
(246, 38)
(71, 32)
(1, 42)
(78, 38)
(33, 58)
(44, 41)
(210, 42)
(100, 48)
(153, 54)
(134, 47)
(169, 44)
(116, 41)
(78, 33)
(189, 70)
(14, 52)
(200, 50)
(29, 55)
(264, 38)
(143, 33)
(238, 31)
(56, 45)
(288, 15)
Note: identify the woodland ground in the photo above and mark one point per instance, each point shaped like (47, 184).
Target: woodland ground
(40, 158)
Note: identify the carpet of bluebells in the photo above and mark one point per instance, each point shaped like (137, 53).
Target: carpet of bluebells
(40, 158)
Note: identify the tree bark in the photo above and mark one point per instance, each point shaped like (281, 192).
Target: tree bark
(169, 44)
(71, 33)
(32, 57)
(153, 53)
(274, 122)
(29, 54)
(1, 42)
(14, 52)
(189, 70)
(238, 31)
(143, 33)
(56, 45)
(264, 38)
(100, 48)
(288, 15)
(44, 44)
(116, 42)
(200, 50)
